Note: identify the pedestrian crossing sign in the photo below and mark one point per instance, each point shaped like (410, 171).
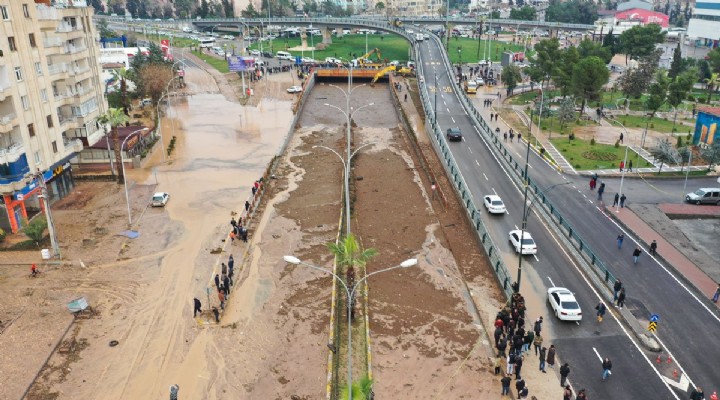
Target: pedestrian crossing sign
(652, 326)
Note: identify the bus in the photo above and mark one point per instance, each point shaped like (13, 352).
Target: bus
(207, 42)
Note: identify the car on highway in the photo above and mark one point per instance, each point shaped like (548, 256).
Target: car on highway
(159, 199)
(294, 89)
(228, 37)
(255, 53)
(704, 196)
(494, 204)
(454, 134)
(563, 303)
(528, 244)
(479, 81)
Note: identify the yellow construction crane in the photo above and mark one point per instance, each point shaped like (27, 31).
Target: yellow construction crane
(366, 57)
(399, 69)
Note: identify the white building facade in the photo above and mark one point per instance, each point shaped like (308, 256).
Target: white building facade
(50, 99)
(704, 23)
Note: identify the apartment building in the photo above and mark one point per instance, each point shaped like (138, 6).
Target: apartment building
(704, 23)
(50, 100)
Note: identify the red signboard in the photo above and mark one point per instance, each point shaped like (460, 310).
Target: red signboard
(644, 16)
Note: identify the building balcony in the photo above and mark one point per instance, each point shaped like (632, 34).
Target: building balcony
(72, 145)
(70, 3)
(66, 120)
(57, 68)
(52, 42)
(45, 13)
(78, 72)
(7, 122)
(4, 91)
(12, 153)
(95, 137)
(70, 49)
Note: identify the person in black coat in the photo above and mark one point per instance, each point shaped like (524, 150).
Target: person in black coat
(564, 372)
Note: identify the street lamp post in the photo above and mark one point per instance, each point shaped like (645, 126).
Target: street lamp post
(347, 164)
(622, 177)
(157, 112)
(435, 103)
(526, 214)
(539, 128)
(46, 206)
(122, 163)
(350, 293)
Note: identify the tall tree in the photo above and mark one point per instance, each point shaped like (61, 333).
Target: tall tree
(573, 11)
(711, 154)
(115, 117)
(547, 54)
(640, 40)
(677, 63)
(711, 83)
(525, 13)
(249, 12)
(511, 76)
(657, 93)
(133, 7)
(204, 9)
(713, 58)
(678, 90)
(666, 153)
(98, 6)
(566, 111)
(123, 75)
(116, 6)
(185, 8)
(588, 48)
(634, 82)
(610, 42)
(589, 76)
(563, 75)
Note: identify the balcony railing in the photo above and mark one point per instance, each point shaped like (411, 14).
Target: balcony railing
(12, 153)
(74, 49)
(65, 119)
(6, 119)
(70, 3)
(73, 145)
(78, 71)
(57, 68)
(47, 13)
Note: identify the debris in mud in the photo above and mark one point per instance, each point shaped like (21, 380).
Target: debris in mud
(216, 250)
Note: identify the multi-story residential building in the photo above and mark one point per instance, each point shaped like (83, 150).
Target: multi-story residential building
(704, 23)
(50, 100)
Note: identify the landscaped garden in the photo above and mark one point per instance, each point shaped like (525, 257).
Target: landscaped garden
(587, 155)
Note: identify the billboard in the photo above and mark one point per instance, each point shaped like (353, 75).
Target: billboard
(241, 63)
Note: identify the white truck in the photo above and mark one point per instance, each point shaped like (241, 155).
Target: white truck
(419, 37)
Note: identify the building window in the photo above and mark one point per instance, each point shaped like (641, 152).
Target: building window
(37, 157)
(26, 11)
(18, 74)
(25, 102)
(32, 40)
(11, 43)
(49, 121)
(31, 130)
(54, 146)
(4, 12)
(43, 95)
(38, 68)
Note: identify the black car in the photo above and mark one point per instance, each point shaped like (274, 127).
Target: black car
(267, 54)
(454, 134)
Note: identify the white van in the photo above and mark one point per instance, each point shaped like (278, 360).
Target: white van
(284, 55)
(704, 196)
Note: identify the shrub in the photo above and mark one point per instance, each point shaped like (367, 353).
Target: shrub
(617, 144)
(3, 235)
(691, 98)
(679, 141)
(35, 230)
(652, 125)
(592, 142)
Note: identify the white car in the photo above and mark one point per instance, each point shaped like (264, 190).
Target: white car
(494, 204)
(563, 303)
(255, 53)
(308, 60)
(479, 81)
(528, 244)
(159, 199)
(294, 89)
(228, 37)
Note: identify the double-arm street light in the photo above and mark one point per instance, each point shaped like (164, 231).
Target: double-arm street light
(622, 177)
(348, 117)
(157, 112)
(350, 293)
(526, 214)
(122, 163)
(44, 197)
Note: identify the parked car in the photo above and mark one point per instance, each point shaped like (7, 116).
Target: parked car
(159, 199)
(255, 53)
(528, 244)
(454, 134)
(494, 204)
(563, 303)
(294, 89)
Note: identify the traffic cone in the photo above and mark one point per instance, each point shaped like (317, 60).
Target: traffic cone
(669, 360)
(714, 396)
(658, 360)
(675, 374)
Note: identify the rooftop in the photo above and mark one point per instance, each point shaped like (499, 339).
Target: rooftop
(710, 110)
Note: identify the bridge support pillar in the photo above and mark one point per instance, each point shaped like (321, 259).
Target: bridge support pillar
(339, 32)
(327, 36)
(303, 38)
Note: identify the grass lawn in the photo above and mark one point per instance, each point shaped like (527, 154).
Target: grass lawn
(469, 53)
(551, 125)
(584, 156)
(217, 63)
(528, 97)
(656, 124)
(392, 47)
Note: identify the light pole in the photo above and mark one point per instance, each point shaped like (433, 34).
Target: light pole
(350, 293)
(157, 112)
(122, 162)
(539, 128)
(107, 141)
(435, 103)
(526, 214)
(347, 164)
(622, 177)
(46, 206)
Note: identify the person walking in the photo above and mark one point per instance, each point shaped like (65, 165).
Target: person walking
(221, 297)
(601, 309)
(564, 372)
(217, 281)
(519, 136)
(621, 139)
(622, 200)
(528, 341)
(630, 166)
(621, 299)
(505, 137)
(567, 393)
(217, 314)
(174, 389)
(581, 395)
(519, 386)
(607, 368)
(653, 247)
(636, 255)
(197, 307)
(406, 97)
(505, 382)
(616, 289)
(601, 190)
(510, 363)
(697, 394)
(247, 206)
(551, 356)
(616, 200)
(497, 363)
(717, 294)
(620, 239)
(543, 353)
(518, 366)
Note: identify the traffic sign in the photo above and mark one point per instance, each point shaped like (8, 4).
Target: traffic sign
(652, 326)
(654, 318)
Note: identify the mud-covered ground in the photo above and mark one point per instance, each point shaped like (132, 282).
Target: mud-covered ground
(272, 342)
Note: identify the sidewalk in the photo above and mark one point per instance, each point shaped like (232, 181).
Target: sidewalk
(668, 254)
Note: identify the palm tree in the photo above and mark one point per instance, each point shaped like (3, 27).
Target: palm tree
(710, 84)
(123, 75)
(115, 117)
(348, 253)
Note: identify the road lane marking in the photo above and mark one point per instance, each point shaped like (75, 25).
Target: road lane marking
(453, 119)
(597, 354)
(448, 110)
(684, 377)
(551, 282)
(469, 148)
(478, 164)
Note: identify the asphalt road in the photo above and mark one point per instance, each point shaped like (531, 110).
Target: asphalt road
(686, 323)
